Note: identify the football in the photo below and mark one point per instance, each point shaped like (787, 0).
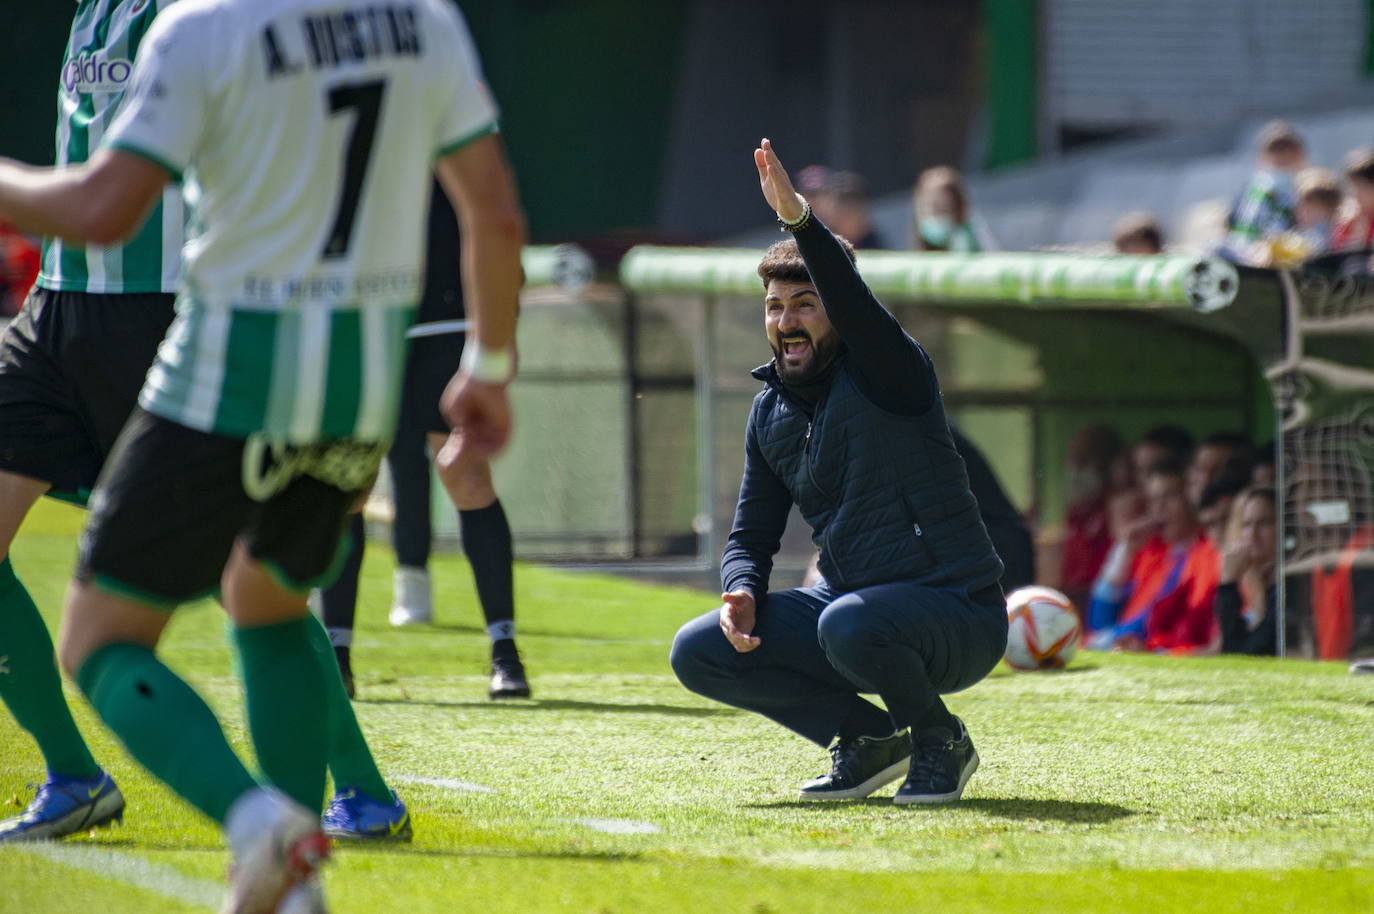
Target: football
(1043, 631)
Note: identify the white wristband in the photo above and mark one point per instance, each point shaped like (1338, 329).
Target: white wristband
(490, 366)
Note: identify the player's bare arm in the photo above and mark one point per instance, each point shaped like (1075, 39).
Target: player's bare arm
(100, 202)
(478, 180)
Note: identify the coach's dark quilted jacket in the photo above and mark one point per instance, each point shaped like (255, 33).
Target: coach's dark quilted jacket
(887, 496)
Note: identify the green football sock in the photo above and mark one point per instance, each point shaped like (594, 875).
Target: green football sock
(31, 686)
(166, 726)
(350, 760)
(288, 713)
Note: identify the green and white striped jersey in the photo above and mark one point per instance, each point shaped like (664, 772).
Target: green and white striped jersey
(307, 131)
(95, 71)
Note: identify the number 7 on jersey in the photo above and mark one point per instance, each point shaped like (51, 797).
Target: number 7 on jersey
(366, 100)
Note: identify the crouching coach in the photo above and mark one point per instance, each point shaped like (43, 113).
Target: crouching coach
(851, 428)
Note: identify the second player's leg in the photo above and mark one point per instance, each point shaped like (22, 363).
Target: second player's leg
(411, 534)
(30, 685)
(487, 543)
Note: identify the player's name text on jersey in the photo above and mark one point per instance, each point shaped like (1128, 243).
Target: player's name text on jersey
(391, 285)
(91, 73)
(333, 39)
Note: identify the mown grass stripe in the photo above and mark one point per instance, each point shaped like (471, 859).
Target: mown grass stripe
(130, 870)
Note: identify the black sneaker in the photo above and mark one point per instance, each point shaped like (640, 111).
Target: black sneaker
(941, 765)
(861, 766)
(508, 678)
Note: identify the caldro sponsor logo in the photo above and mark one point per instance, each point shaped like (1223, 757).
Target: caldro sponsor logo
(94, 73)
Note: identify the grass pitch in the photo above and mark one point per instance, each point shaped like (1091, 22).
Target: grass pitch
(1125, 784)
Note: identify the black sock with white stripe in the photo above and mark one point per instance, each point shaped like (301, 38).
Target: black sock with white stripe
(487, 543)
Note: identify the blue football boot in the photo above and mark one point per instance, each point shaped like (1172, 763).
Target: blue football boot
(354, 816)
(64, 806)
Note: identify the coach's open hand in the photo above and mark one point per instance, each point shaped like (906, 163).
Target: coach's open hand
(737, 620)
(777, 186)
(479, 415)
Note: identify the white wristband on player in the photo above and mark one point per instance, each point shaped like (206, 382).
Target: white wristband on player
(490, 366)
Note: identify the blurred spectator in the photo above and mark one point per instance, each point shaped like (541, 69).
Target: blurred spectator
(1158, 584)
(1215, 508)
(1319, 202)
(1355, 231)
(1126, 503)
(1267, 205)
(1317, 196)
(840, 200)
(1222, 454)
(20, 260)
(941, 208)
(1246, 594)
(1093, 450)
(1138, 233)
(1161, 444)
(1264, 472)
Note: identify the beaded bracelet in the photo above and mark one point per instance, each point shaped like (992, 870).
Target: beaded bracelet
(802, 221)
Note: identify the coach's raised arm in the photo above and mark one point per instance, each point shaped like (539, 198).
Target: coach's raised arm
(849, 426)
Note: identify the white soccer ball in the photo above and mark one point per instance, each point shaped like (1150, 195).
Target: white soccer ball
(1211, 284)
(1043, 629)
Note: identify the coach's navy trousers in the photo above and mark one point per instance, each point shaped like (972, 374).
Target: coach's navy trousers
(817, 652)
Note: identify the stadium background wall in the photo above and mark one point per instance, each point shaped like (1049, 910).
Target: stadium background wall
(620, 112)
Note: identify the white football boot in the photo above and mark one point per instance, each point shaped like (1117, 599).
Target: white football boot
(278, 849)
(413, 603)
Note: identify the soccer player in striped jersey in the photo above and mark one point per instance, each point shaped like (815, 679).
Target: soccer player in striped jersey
(71, 364)
(309, 129)
(70, 370)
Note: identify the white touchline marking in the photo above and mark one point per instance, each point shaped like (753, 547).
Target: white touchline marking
(448, 783)
(130, 870)
(619, 826)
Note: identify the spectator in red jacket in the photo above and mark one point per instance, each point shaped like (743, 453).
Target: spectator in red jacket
(1355, 232)
(1088, 537)
(1158, 585)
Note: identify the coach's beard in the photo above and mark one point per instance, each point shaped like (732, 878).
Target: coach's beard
(799, 358)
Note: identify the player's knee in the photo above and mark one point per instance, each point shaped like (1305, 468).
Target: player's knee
(78, 640)
(71, 656)
(689, 655)
(844, 628)
(468, 481)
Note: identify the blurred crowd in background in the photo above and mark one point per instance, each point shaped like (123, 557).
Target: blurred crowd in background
(1172, 543)
(1291, 212)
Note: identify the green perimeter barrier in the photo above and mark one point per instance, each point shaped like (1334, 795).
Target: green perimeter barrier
(1060, 280)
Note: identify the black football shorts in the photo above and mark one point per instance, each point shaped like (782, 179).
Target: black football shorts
(430, 365)
(71, 366)
(171, 501)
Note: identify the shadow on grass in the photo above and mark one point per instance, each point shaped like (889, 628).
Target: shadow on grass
(411, 851)
(462, 628)
(1002, 807)
(558, 704)
(1067, 671)
(1059, 810)
(143, 844)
